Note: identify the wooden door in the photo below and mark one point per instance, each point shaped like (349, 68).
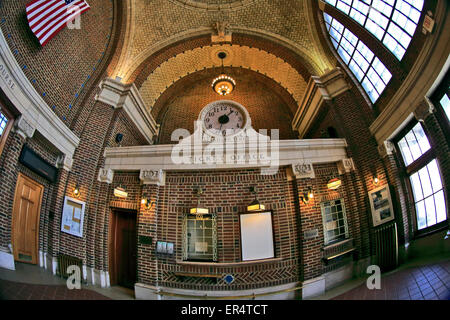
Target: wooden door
(25, 219)
(123, 248)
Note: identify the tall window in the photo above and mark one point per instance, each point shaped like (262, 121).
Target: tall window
(6, 121)
(393, 22)
(334, 219)
(367, 68)
(200, 238)
(424, 177)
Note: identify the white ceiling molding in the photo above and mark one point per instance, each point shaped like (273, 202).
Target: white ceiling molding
(126, 96)
(319, 89)
(34, 110)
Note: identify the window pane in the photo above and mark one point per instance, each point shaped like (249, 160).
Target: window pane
(445, 103)
(435, 176)
(441, 212)
(425, 181)
(431, 211)
(421, 138)
(421, 215)
(3, 122)
(413, 145)
(416, 186)
(406, 153)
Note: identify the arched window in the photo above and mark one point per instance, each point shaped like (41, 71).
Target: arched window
(393, 22)
(367, 68)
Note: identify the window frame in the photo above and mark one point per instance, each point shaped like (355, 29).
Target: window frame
(213, 218)
(346, 226)
(359, 48)
(391, 22)
(415, 166)
(7, 129)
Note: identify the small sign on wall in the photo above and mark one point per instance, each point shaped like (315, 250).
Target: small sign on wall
(73, 217)
(165, 247)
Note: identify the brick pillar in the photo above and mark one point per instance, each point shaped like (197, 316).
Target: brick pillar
(147, 227)
(8, 179)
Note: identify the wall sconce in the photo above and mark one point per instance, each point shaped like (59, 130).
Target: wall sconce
(198, 210)
(147, 203)
(334, 184)
(376, 180)
(76, 191)
(307, 196)
(120, 192)
(255, 206)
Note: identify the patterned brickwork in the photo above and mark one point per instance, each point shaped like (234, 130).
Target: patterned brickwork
(258, 94)
(62, 70)
(268, 15)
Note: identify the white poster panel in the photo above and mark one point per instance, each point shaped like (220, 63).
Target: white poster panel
(257, 236)
(73, 217)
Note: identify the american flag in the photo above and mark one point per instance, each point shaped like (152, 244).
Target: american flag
(47, 17)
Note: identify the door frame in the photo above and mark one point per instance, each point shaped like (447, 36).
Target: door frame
(113, 212)
(38, 220)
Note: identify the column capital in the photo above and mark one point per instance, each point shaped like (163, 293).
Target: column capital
(424, 109)
(24, 128)
(105, 175)
(346, 165)
(65, 162)
(303, 170)
(386, 148)
(155, 177)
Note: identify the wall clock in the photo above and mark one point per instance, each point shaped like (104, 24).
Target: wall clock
(224, 118)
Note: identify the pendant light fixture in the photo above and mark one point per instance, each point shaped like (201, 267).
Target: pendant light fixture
(255, 206)
(223, 84)
(199, 211)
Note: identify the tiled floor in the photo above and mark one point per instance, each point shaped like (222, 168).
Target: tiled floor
(429, 282)
(23, 291)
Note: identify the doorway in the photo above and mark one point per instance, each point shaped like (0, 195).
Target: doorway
(123, 248)
(25, 219)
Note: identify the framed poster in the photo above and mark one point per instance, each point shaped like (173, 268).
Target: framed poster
(73, 217)
(257, 242)
(381, 205)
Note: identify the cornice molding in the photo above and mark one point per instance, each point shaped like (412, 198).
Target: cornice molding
(319, 89)
(34, 110)
(126, 96)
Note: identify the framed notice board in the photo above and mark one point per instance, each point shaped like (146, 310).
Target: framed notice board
(73, 217)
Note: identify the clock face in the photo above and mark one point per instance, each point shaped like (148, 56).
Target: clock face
(224, 119)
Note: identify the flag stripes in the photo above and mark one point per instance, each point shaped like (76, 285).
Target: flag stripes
(47, 17)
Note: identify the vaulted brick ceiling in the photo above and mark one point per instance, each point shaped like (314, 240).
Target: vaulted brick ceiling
(277, 38)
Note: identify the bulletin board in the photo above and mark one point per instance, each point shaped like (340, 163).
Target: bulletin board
(73, 217)
(257, 242)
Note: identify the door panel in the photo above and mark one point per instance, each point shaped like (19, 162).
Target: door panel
(25, 222)
(123, 249)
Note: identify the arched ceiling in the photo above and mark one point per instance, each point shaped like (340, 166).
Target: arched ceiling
(165, 41)
(237, 56)
(155, 25)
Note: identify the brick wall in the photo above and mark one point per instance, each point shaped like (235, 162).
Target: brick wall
(64, 69)
(268, 108)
